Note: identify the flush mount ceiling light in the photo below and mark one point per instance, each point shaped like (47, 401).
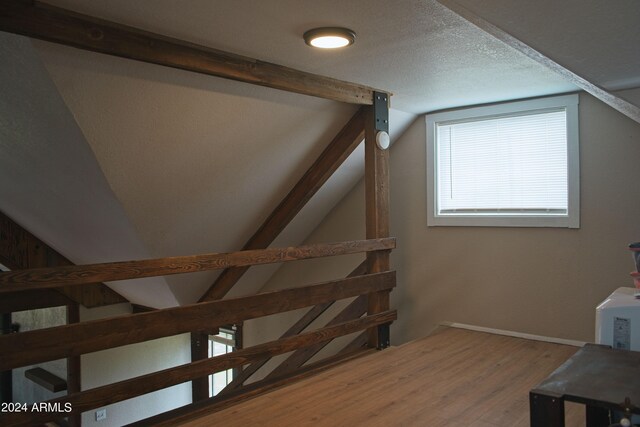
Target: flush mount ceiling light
(329, 37)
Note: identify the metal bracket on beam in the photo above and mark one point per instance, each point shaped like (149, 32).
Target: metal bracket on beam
(381, 110)
(384, 339)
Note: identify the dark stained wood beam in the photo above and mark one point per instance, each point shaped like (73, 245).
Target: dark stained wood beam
(376, 185)
(12, 302)
(41, 345)
(93, 295)
(376, 180)
(73, 275)
(347, 140)
(352, 311)
(19, 250)
(53, 24)
(199, 351)
(295, 329)
(628, 109)
(358, 342)
(105, 395)
(74, 367)
(6, 377)
(46, 379)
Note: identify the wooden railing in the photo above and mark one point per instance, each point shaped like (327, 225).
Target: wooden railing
(73, 275)
(72, 340)
(369, 284)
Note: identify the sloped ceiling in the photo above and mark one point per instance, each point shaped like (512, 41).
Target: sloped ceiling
(594, 40)
(598, 39)
(50, 180)
(198, 162)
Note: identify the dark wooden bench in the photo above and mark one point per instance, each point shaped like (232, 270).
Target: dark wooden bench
(598, 376)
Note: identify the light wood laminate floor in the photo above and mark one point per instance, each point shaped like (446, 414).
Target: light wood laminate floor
(452, 378)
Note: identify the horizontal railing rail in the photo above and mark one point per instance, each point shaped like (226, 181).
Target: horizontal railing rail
(75, 339)
(123, 390)
(79, 338)
(73, 275)
(296, 328)
(33, 288)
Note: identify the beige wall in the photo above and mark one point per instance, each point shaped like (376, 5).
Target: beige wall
(538, 281)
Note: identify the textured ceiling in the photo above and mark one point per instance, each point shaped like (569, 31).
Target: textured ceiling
(427, 56)
(598, 39)
(197, 162)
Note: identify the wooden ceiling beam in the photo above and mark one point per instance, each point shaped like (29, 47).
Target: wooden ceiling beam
(41, 21)
(347, 140)
(354, 310)
(623, 106)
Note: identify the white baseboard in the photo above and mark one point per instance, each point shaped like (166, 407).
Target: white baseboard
(514, 334)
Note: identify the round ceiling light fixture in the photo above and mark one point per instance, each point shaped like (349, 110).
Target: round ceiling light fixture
(329, 37)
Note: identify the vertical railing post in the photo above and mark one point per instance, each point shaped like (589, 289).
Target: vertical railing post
(377, 204)
(199, 351)
(74, 383)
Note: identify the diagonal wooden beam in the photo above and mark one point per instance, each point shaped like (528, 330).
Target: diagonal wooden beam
(349, 137)
(352, 311)
(358, 343)
(42, 21)
(628, 109)
(295, 329)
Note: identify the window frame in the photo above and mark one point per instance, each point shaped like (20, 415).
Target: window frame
(233, 343)
(571, 220)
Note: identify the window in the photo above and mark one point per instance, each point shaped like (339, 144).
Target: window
(223, 343)
(509, 165)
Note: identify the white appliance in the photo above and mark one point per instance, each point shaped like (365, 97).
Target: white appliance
(618, 325)
(618, 320)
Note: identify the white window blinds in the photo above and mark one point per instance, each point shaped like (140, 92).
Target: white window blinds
(512, 164)
(508, 165)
